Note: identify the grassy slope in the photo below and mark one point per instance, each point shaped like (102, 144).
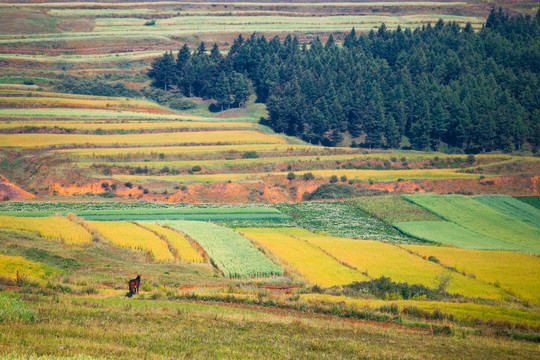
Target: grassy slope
(479, 218)
(512, 207)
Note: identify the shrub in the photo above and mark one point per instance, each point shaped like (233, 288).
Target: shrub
(343, 178)
(308, 176)
(250, 155)
(291, 176)
(333, 179)
(150, 22)
(196, 168)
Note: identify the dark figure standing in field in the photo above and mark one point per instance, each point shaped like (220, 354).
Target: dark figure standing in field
(134, 285)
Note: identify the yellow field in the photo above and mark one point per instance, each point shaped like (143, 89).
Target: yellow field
(516, 273)
(390, 175)
(364, 175)
(130, 125)
(184, 248)
(221, 162)
(10, 265)
(462, 311)
(129, 235)
(54, 227)
(195, 137)
(187, 149)
(382, 259)
(304, 258)
(86, 102)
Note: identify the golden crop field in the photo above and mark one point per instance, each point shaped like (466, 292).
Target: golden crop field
(86, 102)
(304, 258)
(382, 259)
(390, 175)
(515, 272)
(221, 162)
(467, 312)
(129, 125)
(186, 149)
(129, 235)
(180, 243)
(10, 265)
(54, 227)
(194, 137)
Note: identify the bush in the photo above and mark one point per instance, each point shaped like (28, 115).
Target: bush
(150, 23)
(181, 103)
(434, 259)
(308, 176)
(343, 178)
(93, 86)
(250, 155)
(333, 179)
(196, 168)
(291, 176)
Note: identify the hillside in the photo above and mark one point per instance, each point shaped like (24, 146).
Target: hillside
(266, 217)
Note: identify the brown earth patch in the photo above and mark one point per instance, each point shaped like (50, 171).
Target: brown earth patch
(10, 191)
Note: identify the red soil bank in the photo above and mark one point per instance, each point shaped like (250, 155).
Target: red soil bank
(11, 191)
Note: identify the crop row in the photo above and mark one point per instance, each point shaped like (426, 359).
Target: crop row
(512, 207)
(446, 232)
(180, 244)
(233, 254)
(514, 272)
(303, 258)
(481, 219)
(49, 227)
(195, 137)
(129, 235)
(377, 259)
(130, 103)
(131, 125)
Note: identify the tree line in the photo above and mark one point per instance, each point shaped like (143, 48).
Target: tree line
(441, 87)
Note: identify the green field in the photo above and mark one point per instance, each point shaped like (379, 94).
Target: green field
(480, 218)
(392, 208)
(449, 233)
(512, 207)
(233, 254)
(341, 219)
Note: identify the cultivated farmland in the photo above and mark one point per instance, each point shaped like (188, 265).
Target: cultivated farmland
(376, 259)
(18, 266)
(512, 207)
(480, 218)
(179, 243)
(516, 273)
(303, 258)
(233, 254)
(129, 235)
(49, 227)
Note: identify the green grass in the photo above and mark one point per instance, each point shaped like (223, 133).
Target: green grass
(12, 310)
(512, 207)
(445, 232)
(480, 218)
(531, 200)
(341, 219)
(233, 254)
(392, 208)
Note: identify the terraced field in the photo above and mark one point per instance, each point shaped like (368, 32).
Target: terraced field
(180, 244)
(449, 233)
(18, 266)
(516, 273)
(233, 254)
(481, 219)
(56, 227)
(305, 259)
(129, 235)
(378, 259)
(508, 205)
